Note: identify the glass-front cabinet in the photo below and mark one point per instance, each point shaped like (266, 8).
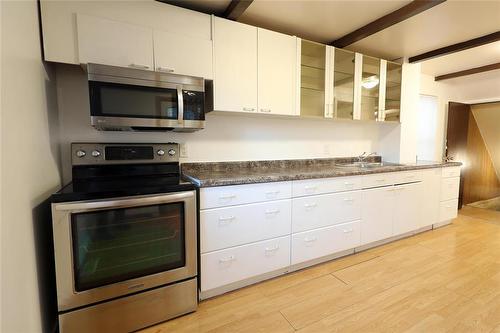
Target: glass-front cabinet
(392, 109)
(312, 79)
(343, 84)
(370, 92)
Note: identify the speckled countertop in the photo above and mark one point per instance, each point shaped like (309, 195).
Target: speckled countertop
(250, 172)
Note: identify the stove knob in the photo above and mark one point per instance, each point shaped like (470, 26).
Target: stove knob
(80, 153)
(96, 153)
(171, 152)
(160, 152)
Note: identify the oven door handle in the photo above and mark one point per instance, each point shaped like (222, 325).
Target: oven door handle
(180, 106)
(124, 202)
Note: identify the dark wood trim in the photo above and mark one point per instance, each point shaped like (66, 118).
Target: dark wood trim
(494, 37)
(236, 8)
(413, 8)
(470, 71)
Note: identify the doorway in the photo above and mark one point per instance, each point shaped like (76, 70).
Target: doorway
(473, 138)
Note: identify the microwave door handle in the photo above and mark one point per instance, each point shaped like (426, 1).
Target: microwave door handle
(180, 106)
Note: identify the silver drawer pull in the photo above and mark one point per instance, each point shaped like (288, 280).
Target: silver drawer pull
(310, 187)
(248, 109)
(348, 184)
(226, 220)
(272, 249)
(380, 180)
(165, 69)
(272, 211)
(311, 205)
(227, 260)
(227, 197)
(138, 66)
(347, 231)
(269, 193)
(265, 110)
(348, 199)
(310, 240)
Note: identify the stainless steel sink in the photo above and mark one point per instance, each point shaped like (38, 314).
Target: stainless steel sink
(366, 165)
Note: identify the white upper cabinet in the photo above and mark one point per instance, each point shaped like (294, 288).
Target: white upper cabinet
(277, 61)
(180, 54)
(235, 66)
(114, 43)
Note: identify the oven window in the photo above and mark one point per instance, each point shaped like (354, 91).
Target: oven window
(121, 100)
(120, 244)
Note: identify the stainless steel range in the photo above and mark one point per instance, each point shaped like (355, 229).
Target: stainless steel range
(125, 239)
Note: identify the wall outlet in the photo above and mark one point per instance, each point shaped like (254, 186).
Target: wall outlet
(183, 150)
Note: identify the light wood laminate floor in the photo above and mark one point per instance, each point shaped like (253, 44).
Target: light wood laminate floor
(444, 280)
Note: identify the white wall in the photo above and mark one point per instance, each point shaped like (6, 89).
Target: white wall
(29, 171)
(226, 137)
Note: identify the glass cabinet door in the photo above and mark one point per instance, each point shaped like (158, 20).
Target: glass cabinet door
(370, 82)
(343, 84)
(392, 108)
(312, 79)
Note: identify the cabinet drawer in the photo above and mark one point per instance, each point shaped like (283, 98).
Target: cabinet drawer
(325, 210)
(448, 210)
(324, 241)
(407, 177)
(238, 263)
(449, 188)
(377, 180)
(320, 186)
(211, 197)
(449, 172)
(237, 225)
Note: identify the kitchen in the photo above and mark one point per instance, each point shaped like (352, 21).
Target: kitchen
(284, 244)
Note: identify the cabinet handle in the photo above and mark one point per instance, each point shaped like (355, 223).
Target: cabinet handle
(310, 187)
(311, 205)
(226, 197)
(265, 110)
(138, 66)
(347, 231)
(269, 193)
(310, 240)
(228, 259)
(248, 109)
(272, 249)
(272, 211)
(226, 220)
(348, 199)
(380, 180)
(165, 69)
(348, 184)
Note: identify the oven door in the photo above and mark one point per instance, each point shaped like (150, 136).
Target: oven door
(109, 248)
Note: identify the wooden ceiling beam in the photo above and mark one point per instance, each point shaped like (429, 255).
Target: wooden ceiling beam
(236, 8)
(493, 37)
(470, 71)
(413, 8)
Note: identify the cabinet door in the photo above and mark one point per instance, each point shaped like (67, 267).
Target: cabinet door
(392, 92)
(180, 54)
(370, 84)
(343, 84)
(407, 208)
(377, 209)
(430, 198)
(277, 60)
(235, 66)
(114, 43)
(313, 80)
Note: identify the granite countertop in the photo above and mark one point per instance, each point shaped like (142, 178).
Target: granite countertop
(250, 172)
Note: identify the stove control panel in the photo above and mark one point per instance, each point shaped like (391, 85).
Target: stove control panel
(123, 153)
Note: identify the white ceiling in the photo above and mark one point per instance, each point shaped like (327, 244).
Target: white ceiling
(326, 20)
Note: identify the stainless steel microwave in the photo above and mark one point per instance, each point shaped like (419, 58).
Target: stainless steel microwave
(131, 99)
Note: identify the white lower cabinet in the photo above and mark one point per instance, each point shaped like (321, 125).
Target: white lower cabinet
(324, 210)
(406, 208)
(237, 225)
(324, 241)
(223, 267)
(377, 213)
(449, 188)
(429, 197)
(448, 210)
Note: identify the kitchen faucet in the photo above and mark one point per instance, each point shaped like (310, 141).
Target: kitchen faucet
(365, 155)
